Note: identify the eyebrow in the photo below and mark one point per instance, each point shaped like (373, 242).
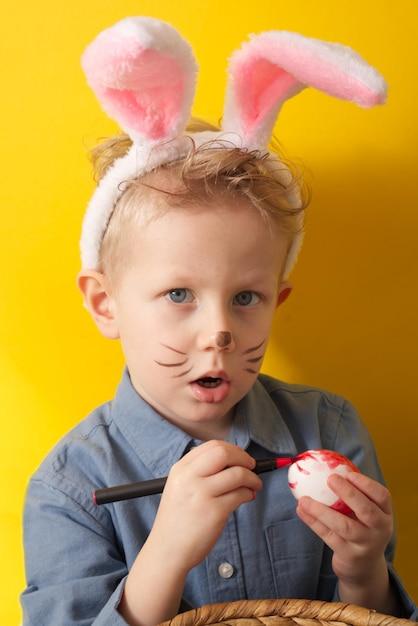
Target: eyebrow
(181, 279)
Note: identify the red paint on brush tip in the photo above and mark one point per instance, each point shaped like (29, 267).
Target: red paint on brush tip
(284, 461)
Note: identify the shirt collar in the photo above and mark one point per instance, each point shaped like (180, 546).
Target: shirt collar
(158, 443)
(257, 418)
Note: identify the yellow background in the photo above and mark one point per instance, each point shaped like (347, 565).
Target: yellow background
(350, 326)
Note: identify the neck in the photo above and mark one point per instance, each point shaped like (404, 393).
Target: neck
(204, 431)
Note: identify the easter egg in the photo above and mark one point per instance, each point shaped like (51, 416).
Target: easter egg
(308, 475)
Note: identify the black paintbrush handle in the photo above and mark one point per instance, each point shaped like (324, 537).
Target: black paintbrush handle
(131, 490)
(152, 487)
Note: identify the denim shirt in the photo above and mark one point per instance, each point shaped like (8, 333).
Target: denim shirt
(78, 554)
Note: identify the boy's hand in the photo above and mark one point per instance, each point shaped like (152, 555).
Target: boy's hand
(202, 489)
(358, 543)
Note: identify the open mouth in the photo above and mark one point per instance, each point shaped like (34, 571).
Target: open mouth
(209, 389)
(209, 382)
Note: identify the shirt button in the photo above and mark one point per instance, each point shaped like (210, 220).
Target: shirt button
(225, 570)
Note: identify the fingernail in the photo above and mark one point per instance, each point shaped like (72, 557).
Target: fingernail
(353, 475)
(335, 477)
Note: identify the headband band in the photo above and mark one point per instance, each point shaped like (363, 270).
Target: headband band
(144, 73)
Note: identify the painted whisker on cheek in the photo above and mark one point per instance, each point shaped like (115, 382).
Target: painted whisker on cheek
(254, 349)
(170, 364)
(257, 358)
(173, 349)
(183, 374)
(254, 359)
(174, 364)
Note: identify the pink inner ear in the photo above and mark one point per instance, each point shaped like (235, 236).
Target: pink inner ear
(259, 85)
(152, 106)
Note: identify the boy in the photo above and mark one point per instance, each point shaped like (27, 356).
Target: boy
(192, 264)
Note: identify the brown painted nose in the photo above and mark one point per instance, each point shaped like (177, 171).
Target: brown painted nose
(223, 338)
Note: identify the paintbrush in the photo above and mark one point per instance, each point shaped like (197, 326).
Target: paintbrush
(156, 485)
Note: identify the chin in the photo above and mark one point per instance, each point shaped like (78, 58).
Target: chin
(212, 412)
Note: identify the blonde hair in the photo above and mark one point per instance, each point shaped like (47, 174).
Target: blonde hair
(201, 177)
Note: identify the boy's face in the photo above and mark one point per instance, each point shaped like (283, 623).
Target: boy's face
(197, 301)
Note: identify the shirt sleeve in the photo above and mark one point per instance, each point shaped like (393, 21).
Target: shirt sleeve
(353, 440)
(75, 572)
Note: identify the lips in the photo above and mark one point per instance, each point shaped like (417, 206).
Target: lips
(214, 374)
(210, 393)
(211, 387)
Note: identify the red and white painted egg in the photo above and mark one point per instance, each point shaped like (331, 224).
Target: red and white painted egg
(309, 473)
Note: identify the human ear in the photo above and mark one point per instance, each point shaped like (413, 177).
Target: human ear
(285, 290)
(98, 302)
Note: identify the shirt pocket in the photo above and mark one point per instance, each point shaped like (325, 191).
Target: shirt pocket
(295, 554)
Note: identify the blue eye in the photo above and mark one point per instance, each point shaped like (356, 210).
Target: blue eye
(182, 295)
(178, 296)
(244, 298)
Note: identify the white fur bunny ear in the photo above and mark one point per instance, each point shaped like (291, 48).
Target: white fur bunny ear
(143, 74)
(276, 65)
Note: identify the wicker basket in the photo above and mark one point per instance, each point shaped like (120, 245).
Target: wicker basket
(284, 613)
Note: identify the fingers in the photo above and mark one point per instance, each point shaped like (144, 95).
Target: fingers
(375, 491)
(214, 477)
(324, 522)
(213, 469)
(373, 523)
(233, 478)
(367, 498)
(214, 456)
(233, 499)
(226, 468)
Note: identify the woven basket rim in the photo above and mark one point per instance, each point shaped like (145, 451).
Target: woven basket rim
(298, 609)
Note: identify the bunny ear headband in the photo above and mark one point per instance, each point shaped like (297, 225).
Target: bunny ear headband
(143, 74)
